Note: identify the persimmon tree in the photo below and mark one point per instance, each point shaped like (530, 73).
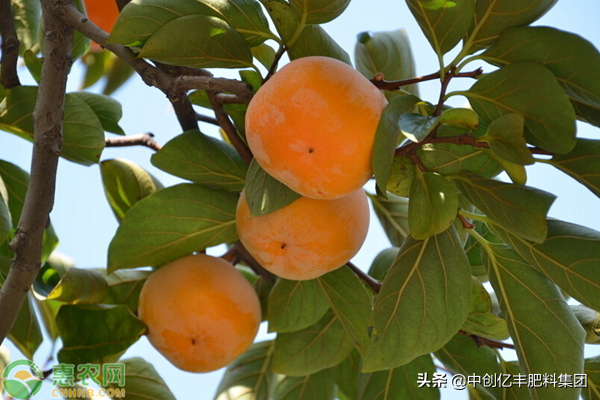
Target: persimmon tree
(452, 224)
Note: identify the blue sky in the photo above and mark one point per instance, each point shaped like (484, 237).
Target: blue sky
(85, 223)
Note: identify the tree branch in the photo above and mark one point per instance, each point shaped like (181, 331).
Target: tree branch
(10, 47)
(151, 75)
(141, 139)
(207, 119)
(39, 200)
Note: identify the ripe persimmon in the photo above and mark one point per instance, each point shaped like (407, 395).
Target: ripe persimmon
(103, 13)
(312, 126)
(306, 238)
(200, 311)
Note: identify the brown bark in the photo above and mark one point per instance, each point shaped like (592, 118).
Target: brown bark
(47, 117)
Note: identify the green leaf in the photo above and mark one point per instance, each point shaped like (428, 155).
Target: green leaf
(581, 164)
(388, 53)
(481, 320)
(81, 43)
(107, 109)
(417, 127)
(320, 346)
(516, 172)
(590, 322)
(516, 391)
(423, 301)
(16, 181)
(547, 336)
(48, 310)
(315, 41)
(202, 159)
(5, 218)
(346, 376)
(460, 117)
(33, 64)
(283, 17)
(569, 256)
(264, 193)
(401, 175)
(79, 286)
(119, 72)
(124, 287)
(529, 89)
(432, 206)
(295, 305)
(171, 223)
(265, 54)
(26, 17)
(203, 42)
(572, 59)
(142, 382)
(592, 370)
(318, 386)
(520, 209)
(383, 262)
(449, 159)
(249, 377)
(461, 355)
(444, 22)
(95, 65)
(393, 216)
(101, 331)
(140, 20)
(387, 136)
(50, 274)
(26, 333)
(350, 302)
(505, 137)
(125, 183)
(399, 383)
(83, 135)
(318, 11)
(492, 17)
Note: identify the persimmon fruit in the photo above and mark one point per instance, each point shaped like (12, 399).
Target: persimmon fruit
(200, 311)
(312, 126)
(103, 13)
(307, 238)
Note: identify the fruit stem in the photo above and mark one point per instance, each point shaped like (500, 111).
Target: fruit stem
(278, 55)
(369, 280)
(481, 341)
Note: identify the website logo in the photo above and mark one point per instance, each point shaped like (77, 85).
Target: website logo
(22, 379)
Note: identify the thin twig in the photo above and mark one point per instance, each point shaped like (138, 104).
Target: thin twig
(229, 129)
(444, 88)
(481, 341)
(10, 47)
(39, 199)
(276, 60)
(140, 139)
(395, 85)
(207, 119)
(369, 280)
